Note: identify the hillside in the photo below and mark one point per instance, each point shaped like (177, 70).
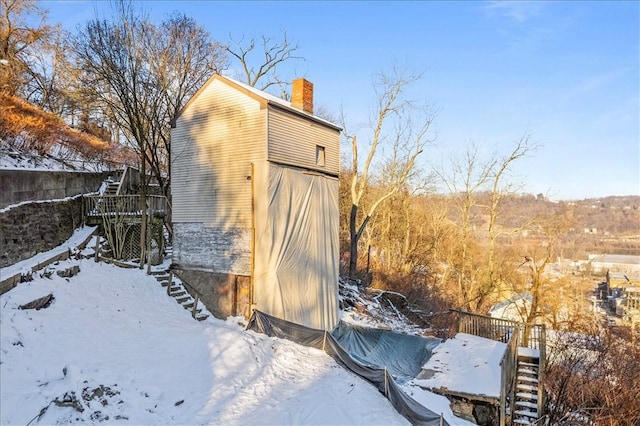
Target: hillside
(33, 138)
(149, 362)
(595, 225)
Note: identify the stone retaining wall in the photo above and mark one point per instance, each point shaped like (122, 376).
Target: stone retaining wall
(17, 186)
(32, 228)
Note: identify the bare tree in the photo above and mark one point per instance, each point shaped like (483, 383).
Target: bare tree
(181, 57)
(472, 181)
(407, 137)
(464, 178)
(143, 74)
(19, 41)
(537, 257)
(50, 77)
(499, 190)
(261, 59)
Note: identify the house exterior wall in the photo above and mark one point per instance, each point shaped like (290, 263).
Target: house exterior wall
(217, 139)
(224, 295)
(198, 246)
(214, 142)
(293, 141)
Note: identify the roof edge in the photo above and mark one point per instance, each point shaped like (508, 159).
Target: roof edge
(255, 94)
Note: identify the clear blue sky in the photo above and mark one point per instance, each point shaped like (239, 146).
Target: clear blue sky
(567, 73)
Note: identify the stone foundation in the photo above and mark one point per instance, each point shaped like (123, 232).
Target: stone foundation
(224, 295)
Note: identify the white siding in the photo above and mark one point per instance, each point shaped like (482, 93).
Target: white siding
(293, 141)
(214, 142)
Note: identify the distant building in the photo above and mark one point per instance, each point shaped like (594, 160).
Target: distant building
(516, 308)
(628, 265)
(629, 308)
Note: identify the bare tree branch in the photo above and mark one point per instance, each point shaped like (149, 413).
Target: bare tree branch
(260, 64)
(408, 142)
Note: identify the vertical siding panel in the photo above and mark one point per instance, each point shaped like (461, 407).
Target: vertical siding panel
(213, 145)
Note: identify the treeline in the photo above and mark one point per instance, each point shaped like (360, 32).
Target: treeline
(24, 128)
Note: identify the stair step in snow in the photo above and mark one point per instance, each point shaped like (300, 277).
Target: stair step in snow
(527, 404)
(157, 273)
(527, 413)
(189, 306)
(177, 293)
(191, 310)
(522, 422)
(527, 364)
(202, 317)
(181, 300)
(527, 379)
(527, 371)
(527, 395)
(525, 387)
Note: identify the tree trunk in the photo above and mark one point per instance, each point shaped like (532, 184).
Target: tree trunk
(353, 250)
(143, 208)
(355, 238)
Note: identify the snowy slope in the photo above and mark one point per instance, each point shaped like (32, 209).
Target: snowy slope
(112, 346)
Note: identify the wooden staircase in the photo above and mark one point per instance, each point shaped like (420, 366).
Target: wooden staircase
(112, 188)
(177, 290)
(526, 407)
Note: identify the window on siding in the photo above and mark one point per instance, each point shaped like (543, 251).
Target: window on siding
(319, 155)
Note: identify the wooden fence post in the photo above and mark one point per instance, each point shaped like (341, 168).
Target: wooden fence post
(97, 249)
(194, 310)
(170, 283)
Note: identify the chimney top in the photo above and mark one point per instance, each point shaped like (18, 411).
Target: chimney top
(302, 95)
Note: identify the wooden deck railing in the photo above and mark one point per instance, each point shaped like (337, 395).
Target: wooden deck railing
(97, 206)
(484, 326)
(516, 335)
(508, 375)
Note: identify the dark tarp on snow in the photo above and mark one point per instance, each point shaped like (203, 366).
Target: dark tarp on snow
(381, 357)
(402, 355)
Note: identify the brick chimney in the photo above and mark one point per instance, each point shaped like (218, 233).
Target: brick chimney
(302, 95)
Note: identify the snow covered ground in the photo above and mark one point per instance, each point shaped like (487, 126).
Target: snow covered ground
(113, 344)
(114, 347)
(466, 363)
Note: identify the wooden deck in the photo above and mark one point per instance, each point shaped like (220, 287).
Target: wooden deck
(124, 208)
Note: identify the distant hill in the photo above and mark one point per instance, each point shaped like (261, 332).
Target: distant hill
(598, 225)
(33, 138)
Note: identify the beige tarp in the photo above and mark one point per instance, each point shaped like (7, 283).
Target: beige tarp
(296, 245)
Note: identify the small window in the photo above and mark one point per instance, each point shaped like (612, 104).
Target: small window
(319, 155)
